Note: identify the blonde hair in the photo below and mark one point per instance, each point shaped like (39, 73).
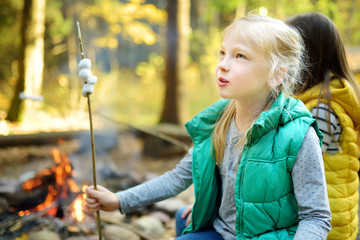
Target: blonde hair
(283, 49)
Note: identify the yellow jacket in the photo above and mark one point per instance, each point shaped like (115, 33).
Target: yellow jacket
(341, 169)
(357, 78)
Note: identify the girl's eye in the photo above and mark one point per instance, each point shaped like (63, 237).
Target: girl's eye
(239, 55)
(221, 53)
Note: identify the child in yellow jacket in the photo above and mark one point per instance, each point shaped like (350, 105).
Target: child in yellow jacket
(332, 95)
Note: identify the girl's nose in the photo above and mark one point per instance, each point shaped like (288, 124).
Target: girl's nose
(223, 67)
(226, 69)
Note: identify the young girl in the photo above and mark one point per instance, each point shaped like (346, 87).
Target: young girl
(256, 163)
(330, 92)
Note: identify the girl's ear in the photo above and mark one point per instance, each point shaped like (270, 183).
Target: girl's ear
(278, 78)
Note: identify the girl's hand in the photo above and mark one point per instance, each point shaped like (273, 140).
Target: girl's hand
(187, 213)
(101, 199)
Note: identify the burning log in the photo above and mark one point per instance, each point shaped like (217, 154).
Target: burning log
(13, 225)
(50, 194)
(4, 206)
(25, 200)
(47, 190)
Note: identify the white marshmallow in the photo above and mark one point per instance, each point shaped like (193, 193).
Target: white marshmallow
(92, 80)
(87, 89)
(84, 74)
(85, 63)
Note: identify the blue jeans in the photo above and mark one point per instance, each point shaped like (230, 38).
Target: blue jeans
(205, 234)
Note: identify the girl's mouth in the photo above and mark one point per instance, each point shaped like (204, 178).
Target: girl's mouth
(222, 82)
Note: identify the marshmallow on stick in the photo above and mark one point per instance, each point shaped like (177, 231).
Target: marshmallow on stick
(88, 89)
(85, 70)
(86, 76)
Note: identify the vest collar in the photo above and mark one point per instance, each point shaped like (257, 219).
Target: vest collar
(202, 125)
(283, 110)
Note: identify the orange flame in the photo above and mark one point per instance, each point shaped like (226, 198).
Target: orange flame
(61, 173)
(78, 205)
(78, 213)
(48, 200)
(36, 181)
(23, 213)
(72, 185)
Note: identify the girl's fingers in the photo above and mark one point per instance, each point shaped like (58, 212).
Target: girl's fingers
(188, 220)
(90, 200)
(187, 211)
(101, 198)
(93, 207)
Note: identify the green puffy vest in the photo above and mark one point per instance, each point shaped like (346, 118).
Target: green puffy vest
(266, 207)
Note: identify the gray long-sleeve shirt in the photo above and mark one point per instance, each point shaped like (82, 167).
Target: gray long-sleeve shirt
(307, 175)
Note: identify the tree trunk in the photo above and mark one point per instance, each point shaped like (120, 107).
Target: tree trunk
(31, 60)
(72, 54)
(177, 49)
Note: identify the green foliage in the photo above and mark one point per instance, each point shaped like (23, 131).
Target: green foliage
(133, 20)
(58, 28)
(200, 74)
(128, 36)
(134, 98)
(10, 12)
(56, 24)
(226, 6)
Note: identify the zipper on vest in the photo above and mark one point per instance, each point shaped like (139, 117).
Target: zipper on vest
(241, 220)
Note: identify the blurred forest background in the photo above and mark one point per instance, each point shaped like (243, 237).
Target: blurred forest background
(155, 59)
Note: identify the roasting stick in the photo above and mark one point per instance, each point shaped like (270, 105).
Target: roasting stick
(91, 133)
